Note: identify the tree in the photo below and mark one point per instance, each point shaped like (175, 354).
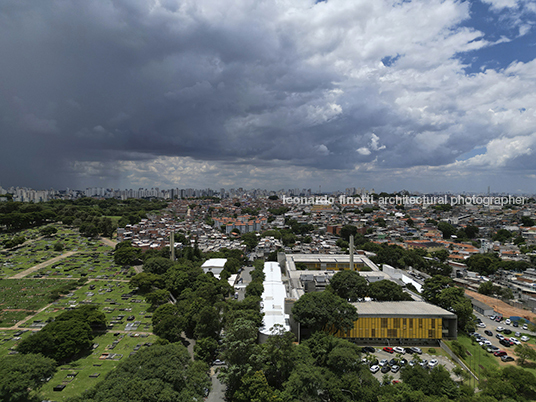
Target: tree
(205, 349)
(145, 282)
(386, 290)
(349, 285)
(125, 254)
(324, 311)
(527, 221)
(486, 288)
(59, 340)
(441, 255)
(524, 352)
(471, 231)
(347, 231)
(433, 286)
(157, 265)
(446, 229)
(22, 373)
(250, 240)
(157, 298)
(255, 388)
(232, 265)
(453, 299)
(157, 373)
(484, 264)
(48, 231)
(502, 235)
(168, 323)
(58, 246)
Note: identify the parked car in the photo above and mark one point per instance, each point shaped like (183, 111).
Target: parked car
(505, 342)
(374, 363)
(507, 358)
(515, 324)
(408, 350)
(388, 349)
(499, 329)
(395, 369)
(508, 322)
(416, 350)
(481, 325)
(492, 349)
(403, 362)
(374, 369)
(433, 363)
(398, 349)
(219, 362)
(392, 362)
(507, 331)
(386, 369)
(500, 353)
(383, 362)
(525, 327)
(368, 349)
(525, 338)
(424, 363)
(488, 332)
(517, 333)
(499, 336)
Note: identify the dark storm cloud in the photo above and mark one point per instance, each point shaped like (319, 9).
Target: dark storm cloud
(85, 86)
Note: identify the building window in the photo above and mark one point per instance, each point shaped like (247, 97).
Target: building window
(420, 323)
(373, 332)
(431, 334)
(411, 323)
(392, 333)
(432, 323)
(396, 322)
(384, 322)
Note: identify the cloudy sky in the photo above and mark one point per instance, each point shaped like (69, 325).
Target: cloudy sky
(422, 95)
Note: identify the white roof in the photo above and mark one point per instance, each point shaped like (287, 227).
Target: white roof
(273, 299)
(214, 263)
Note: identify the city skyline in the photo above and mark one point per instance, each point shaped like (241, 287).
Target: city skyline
(436, 96)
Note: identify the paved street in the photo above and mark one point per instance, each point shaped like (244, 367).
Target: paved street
(217, 393)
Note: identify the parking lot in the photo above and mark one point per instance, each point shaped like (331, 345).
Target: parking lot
(489, 331)
(383, 358)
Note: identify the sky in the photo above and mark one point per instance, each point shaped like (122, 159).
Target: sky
(426, 96)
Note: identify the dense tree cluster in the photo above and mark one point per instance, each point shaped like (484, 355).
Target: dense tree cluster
(68, 336)
(23, 373)
(163, 373)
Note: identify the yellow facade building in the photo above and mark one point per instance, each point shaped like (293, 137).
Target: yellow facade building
(401, 323)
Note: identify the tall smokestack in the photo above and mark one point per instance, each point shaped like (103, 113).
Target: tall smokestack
(352, 253)
(172, 245)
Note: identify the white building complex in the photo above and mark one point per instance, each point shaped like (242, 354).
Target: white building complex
(273, 301)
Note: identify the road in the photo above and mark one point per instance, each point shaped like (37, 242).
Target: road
(217, 393)
(37, 267)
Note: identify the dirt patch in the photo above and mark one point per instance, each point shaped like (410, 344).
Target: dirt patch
(501, 307)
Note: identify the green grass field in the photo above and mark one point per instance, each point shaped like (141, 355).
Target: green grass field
(108, 296)
(93, 364)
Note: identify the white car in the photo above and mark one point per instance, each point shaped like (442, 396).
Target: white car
(374, 369)
(398, 349)
(499, 329)
(383, 362)
(515, 340)
(481, 325)
(433, 363)
(525, 338)
(525, 327)
(508, 322)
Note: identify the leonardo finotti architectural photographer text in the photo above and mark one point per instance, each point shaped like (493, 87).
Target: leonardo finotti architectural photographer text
(407, 200)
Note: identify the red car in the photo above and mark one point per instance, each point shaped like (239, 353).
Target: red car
(388, 349)
(500, 353)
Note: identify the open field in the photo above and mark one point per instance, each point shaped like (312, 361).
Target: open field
(108, 295)
(42, 250)
(95, 264)
(92, 369)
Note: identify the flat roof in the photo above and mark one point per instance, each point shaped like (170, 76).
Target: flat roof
(273, 299)
(214, 263)
(412, 309)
